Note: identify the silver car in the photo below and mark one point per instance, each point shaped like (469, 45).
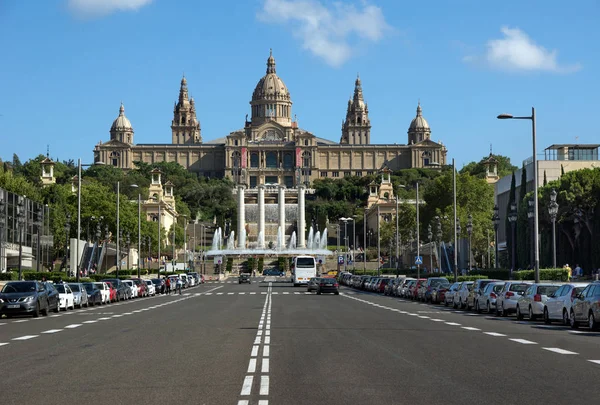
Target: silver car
(80, 297)
(487, 299)
(534, 299)
(506, 302)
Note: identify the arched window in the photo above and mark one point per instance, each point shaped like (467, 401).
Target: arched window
(426, 158)
(271, 160)
(306, 142)
(306, 159)
(236, 163)
(114, 158)
(288, 161)
(236, 142)
(254, 160)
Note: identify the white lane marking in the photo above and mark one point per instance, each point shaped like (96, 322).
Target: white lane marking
(267, 340)
(243, 402)
(242, 293)
(247, 386)
(230, 293)
(4, 323)
(494, 334)
(252, 366)
(424, 317)
(264, 385)
(265, 366)
(128, 313)
(257, 341)
(591, 361)
(252, 293)
(254, 351)
(263, 402)
(52, 331)
(558, 350)
(21, 321)
(117, 316)
(219, 293)
(4, 344)
(207, 293)
(275, 292)
(436, 320)
(452, 323)
(26, 337)
(296, 293)
(524, 341)
(102, 319)
(285, 293)
(263, 292)
(470, 328)
(73, 326)
(259, 333)
(266, 351)
(90, 321)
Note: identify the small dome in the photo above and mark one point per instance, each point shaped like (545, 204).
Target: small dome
(419, 123)
(121, 123)
(270, 86)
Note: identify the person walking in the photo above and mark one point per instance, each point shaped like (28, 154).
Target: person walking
(179, 284)
(168, 283)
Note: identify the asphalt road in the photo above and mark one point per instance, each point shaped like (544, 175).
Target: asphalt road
(270, 343)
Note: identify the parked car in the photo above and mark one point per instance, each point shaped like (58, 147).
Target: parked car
(558, 306)
(94, 294)
(150, 287)
(142, 287)
(488, 298)
(79, 294)
(450, 292)
(123, 290)
(113, 291)
(65, 295)
(23, 297)
(104, 291)
(533, 300)
(273, 272)
(53, 299)
(507, 300)
(586, 307)
(476, 292)
(433, 284)
(159, 285)
(132, 288)
(460, 296)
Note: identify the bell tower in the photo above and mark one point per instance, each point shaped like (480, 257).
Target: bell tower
(356, 129)
(185, 127)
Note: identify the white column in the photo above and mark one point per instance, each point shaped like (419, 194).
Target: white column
(241, 216)
(282, 209)
(261, 215)
(301, 219)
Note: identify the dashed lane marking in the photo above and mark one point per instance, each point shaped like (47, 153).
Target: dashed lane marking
(26, 337)
(524, 341)
(470, 328)
(452, 323)
(4, 344)
(264, 385)
(21, 321)
(52, 331)
(263, 402)
(266, 351)
(73, 326)
(265, 366)
(254, 351)
(252, 366)
(558, 350)
(591, 361)
(495, 334)
(247, 386)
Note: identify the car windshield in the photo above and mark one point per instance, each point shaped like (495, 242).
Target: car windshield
(328, 280)
(439, 282)
(518, 287)
(60, 288)
(19, 287)
(100, 286)
(498, 287)
(546, 289)
(74, 287)
(305, 262)
(89, 287)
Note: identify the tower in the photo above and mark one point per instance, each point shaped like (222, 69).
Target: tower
(185, 127)
(356, 129)
(121, 129)
(47, 171)
(419, 128)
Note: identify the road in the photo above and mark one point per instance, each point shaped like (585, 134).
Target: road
(270, 343)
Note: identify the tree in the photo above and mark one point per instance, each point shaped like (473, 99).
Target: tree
(478, 169)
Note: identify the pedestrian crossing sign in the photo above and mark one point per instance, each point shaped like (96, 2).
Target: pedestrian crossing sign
(419, 260)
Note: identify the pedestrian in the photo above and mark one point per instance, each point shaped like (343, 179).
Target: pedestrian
(168, 282)
(179, 284)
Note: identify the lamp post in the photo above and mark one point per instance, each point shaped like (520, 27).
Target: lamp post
(397, 236)
(345, 220)
(139, 255)
(455, 220)
(530, 215)
(439, 235)
(353, 243)
(67, 234)
(457, 253)
(553, 211)
(39, 222)
(378, 241)
(142, 248)
(418, 236)
(496, 219)
(469, 231)
(365, 242)
(430, 237)
(512, 218)
(2, 223)
(185, 224)
(128, 241)
(106, 237)
(159, 238)
(118, 251)
(21, 216)
(536, 216)
(149, 243)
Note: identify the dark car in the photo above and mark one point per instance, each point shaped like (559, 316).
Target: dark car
(432, 286)
(23, 297)
(313, 284)
(53, 297)
(273, 272)
(328, 285)
(159, 285)
(94, 294)
(244, 278)
(123, 291)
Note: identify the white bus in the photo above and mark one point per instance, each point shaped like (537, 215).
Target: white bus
(305, 268)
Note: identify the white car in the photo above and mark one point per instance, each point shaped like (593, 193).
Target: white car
(533, 300)
(150, 286)
(461, 294)
(132, 287)
(65, 296)
(558, 305)
(104, 290)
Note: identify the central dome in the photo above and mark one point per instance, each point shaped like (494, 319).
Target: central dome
(121, 123)
(271, 99)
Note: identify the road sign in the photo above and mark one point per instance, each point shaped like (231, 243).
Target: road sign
(340, 259)
(419, 260)
(218, 260)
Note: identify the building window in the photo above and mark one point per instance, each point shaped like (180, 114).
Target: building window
(370, 173)
(236, 142)
(306, 142)
(272, 160)
(323, 174)
(253, 182)
(306, 159)
(346, 174)
(114, 157)
(271, 180)
(288, 161)
(254, 160)
(359, 174)
(335, 174)
(289, 181)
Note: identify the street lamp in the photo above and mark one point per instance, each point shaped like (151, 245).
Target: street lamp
(553, 211)
(496, 219)
(139, 228)
(456, 231)
(457, 248)
(159, 238)
(439, 236)
(530, 215)
(21, 216)
(39, 222)
(469, 231)
(430, 237)
(512, 218)
(418, 236)
(67, 234)
(128, 241)
(345, 220)
(2, 223)
(536, 216)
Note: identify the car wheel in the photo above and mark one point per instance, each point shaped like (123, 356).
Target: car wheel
(566, 321)
(489, 308)
(477, 309)
(57, 309)
(531, 315)
(504, 313)
(36, 312)
(519, 314)
(546, 316)
(592, 321)
(337, 293)
(574, 324)
(318, 292)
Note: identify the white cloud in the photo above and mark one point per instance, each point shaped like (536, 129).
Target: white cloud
(99, 8)
(518, 52)
(327, 32)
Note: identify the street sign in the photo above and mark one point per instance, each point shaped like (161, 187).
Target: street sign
(419, 260)
(218, 260)
(320, 259)
(340, 259)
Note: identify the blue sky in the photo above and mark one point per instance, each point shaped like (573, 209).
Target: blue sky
(67, 64)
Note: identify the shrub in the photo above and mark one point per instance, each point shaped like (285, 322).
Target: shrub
(229, 265)
(9, 276)
(261, 265)
(500, 274)
(545, 274)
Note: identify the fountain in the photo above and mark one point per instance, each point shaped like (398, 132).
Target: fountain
(280, 244)
(316, 241)
(309, 242)
(292, 244)
(323, 245)
(231, 241)
(261, 240)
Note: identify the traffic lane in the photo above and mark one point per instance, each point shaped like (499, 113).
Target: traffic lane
(194, 351)
(328, 349)
(584, 342)
(18, 326)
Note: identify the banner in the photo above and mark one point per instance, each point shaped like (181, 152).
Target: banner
(244, 157)
(298, 157)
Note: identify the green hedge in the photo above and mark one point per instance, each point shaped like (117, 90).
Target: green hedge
(9, 276)
(499, 274)
(229, 265)
(545, 274)
(251, 263)
(261, 265)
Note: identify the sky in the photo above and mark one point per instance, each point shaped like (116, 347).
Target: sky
(66, 65)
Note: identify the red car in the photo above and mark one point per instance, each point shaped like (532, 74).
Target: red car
(142, 287)
(113, 292)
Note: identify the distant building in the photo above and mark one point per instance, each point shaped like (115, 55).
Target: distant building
(271, 148)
